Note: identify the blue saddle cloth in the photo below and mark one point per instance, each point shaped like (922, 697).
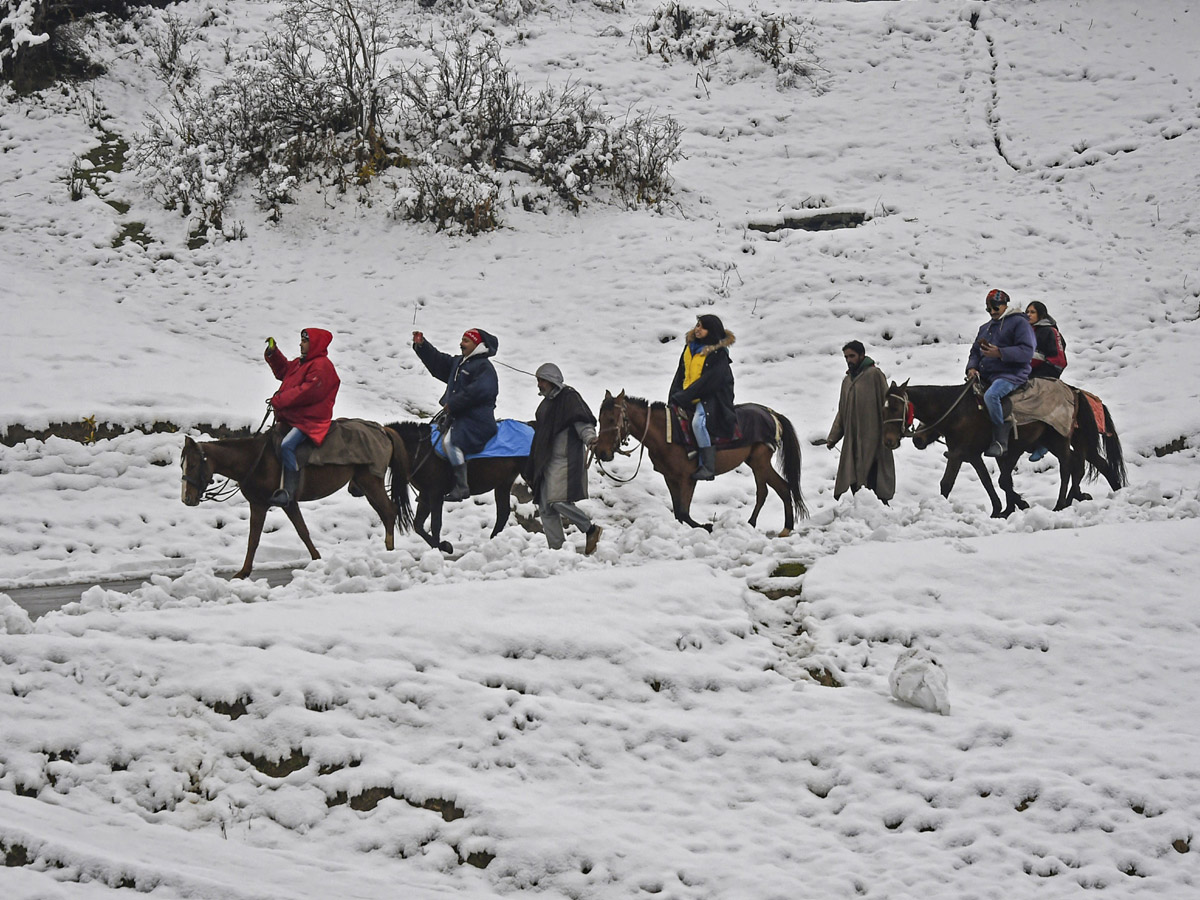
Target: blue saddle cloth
(513, 439)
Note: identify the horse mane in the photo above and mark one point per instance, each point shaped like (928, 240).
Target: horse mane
(411, 431)
(938, 391)
(639, 401)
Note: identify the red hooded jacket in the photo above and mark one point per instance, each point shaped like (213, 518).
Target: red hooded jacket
(310, 385)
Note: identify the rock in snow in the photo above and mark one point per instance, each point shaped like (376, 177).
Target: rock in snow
(917, 679)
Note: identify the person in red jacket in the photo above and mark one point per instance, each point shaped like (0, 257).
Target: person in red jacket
(303, 403)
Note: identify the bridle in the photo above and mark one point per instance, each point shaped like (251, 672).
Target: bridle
(228, 488)
(905, 420)
(623, 435)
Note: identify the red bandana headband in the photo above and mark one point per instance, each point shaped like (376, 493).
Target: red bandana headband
(473, 335)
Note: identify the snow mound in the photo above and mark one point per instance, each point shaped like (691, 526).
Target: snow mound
(919, 680)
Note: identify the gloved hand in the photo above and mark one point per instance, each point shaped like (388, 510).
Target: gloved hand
(270, 343)
(418, 338)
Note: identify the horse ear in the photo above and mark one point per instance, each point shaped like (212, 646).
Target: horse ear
(608, 395)
(906, 381)
(621, 396)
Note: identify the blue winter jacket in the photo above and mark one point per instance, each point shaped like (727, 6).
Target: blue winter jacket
(1013, 334)
(471, 389)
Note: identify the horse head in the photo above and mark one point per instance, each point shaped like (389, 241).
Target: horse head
(613, 428)
(897, 415)
(197, 473)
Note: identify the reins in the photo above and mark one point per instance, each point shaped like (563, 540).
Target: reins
(231, 486)
(907, 432)
(622, 436)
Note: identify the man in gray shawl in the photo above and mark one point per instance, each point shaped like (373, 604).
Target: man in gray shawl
(565, 428)
(865, 461)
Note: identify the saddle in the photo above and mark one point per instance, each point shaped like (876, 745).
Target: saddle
(1046, 400)
(512, 438)
(756, 424)
(350, 442)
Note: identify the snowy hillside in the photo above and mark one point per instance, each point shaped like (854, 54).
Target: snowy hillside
(683, 714)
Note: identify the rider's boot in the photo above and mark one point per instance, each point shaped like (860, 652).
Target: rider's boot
(999, 445)
(461, 489)
(287, 488)
(707, 469)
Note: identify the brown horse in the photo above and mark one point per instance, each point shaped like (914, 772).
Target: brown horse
(433, 478)
(957, 414)
(623, 417)
(251, 463)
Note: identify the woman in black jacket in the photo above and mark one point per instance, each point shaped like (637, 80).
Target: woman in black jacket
(1049, 355)
(703, 387)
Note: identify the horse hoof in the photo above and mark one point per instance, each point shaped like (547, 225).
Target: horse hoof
(446, 547)
(787, 532)
(707, 527)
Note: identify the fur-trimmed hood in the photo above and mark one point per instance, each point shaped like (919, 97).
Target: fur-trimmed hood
(724, 344)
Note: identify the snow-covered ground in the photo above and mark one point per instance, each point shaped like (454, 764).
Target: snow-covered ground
(675, 716)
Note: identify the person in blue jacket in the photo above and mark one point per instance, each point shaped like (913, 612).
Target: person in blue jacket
(1000, 358)
(469, 402)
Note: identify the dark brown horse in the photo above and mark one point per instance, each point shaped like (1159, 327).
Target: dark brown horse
(433, 478)
(251, 463)
(957, 414)
(624, 417)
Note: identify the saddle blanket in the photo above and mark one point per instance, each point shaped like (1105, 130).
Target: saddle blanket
(349, 442)
(756, 424)
(513, 439)
(1045, 400)
(1097, 407)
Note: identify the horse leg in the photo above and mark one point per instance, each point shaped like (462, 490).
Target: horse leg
(1061, 448)
(985, 479)
(258, 515)
(760, 482)
(683, 511)
(297, 518)
(766, 476)
(503, 507)
(421, 514)
(377, 496)
(435, 525)
(1012, 499)
(953, 464)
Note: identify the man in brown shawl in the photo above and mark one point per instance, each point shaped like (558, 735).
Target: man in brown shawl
(865, 461)
(563, 431)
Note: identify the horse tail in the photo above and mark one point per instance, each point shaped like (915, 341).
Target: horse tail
(791, 463)
(1117, 476)
(1103, 450)
(400, 473)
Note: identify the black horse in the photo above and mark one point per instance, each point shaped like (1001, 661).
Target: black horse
(957, 414)
(433, 478)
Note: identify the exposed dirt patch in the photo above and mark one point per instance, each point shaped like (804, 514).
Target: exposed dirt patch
(88, 431)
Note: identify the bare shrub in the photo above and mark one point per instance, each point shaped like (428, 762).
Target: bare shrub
(169, 44)
(450, 197)
(468, 107)
(644, 148)
(701, 35)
